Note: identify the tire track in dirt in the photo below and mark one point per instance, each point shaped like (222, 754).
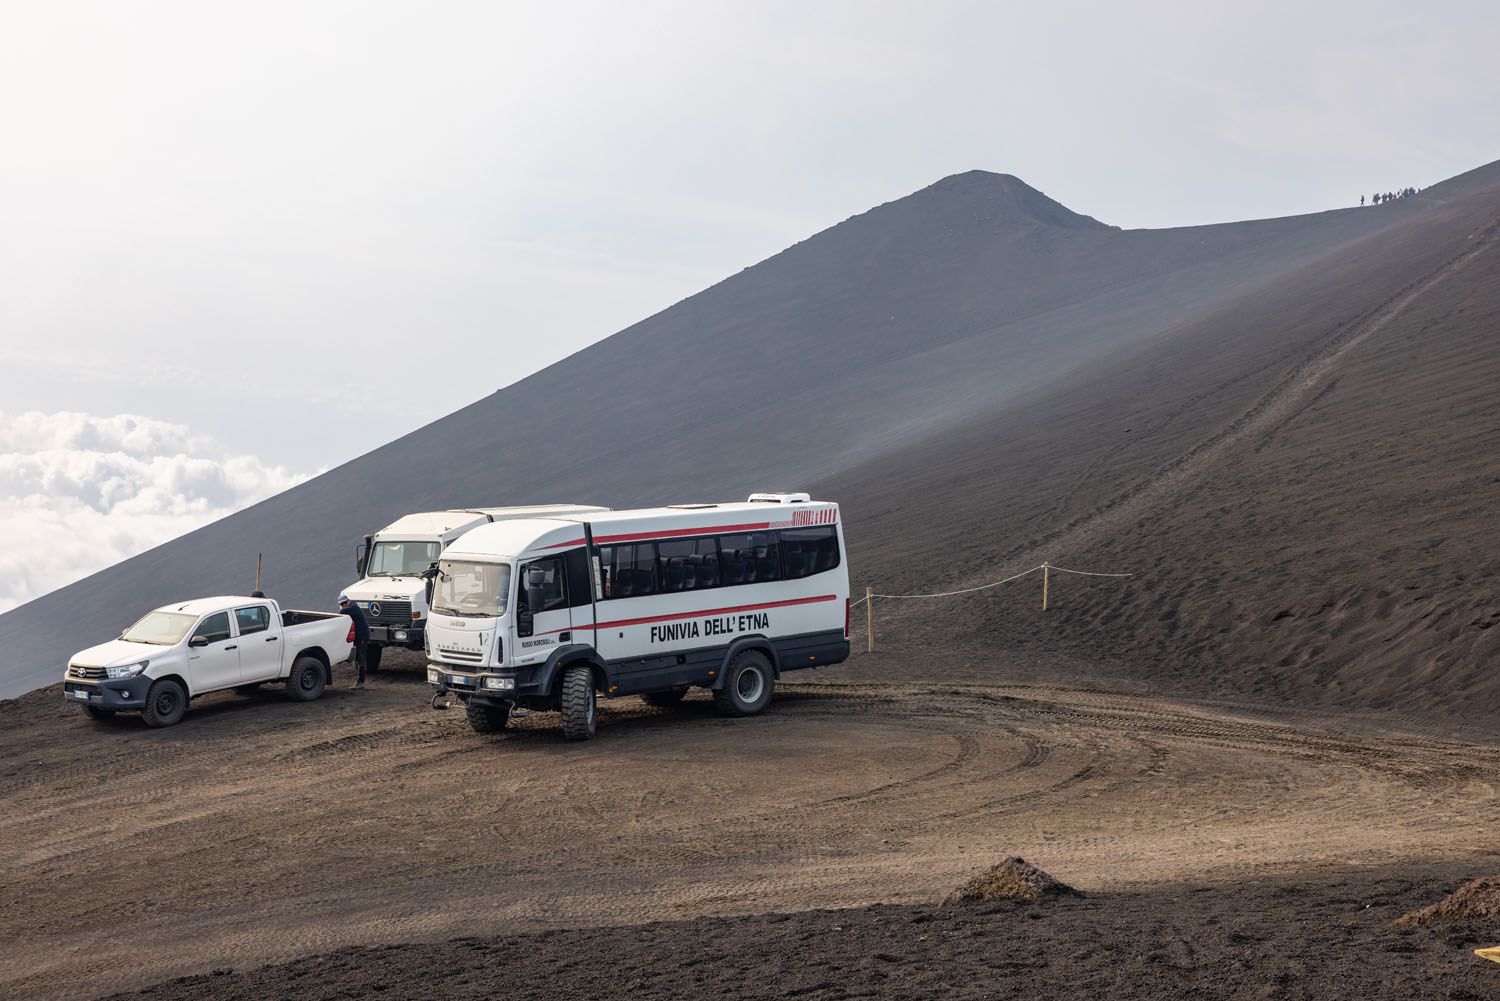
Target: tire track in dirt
(384, 823)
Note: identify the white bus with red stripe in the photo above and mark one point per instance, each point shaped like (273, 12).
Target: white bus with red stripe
(555, 613)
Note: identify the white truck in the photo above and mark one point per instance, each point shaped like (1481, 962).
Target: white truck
(179, 652)
(393, 588)
(553, 613)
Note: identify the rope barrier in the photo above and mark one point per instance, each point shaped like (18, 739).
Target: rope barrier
(1085, 573)
(1045, 568)
(985, 587)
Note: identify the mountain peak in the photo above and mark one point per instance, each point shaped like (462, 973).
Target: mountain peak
(1005, 198)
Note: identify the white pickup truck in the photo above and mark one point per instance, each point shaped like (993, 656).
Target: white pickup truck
(179, 652)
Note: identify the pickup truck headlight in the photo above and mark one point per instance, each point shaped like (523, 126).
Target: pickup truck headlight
(126, 670)
(499, 684)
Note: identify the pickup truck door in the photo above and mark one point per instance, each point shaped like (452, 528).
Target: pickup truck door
(215, 661)
(260, 643)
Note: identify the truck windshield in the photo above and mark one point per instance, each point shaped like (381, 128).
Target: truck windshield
(471, 589)
(403, 559)
(160, 628)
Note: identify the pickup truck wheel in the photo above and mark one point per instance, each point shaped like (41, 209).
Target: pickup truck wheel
(579, 703)
(487, 719)
(664, 700)
(95, 712)
(747, 685)
(372, 657)
(166, 701)
(305, 683)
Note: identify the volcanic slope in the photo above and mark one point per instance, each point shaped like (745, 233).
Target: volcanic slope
(914, 326)
(1304, 480)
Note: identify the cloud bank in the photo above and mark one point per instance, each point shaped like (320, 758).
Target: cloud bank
(79, 493)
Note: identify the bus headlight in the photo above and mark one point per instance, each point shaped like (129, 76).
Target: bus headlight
(500, 684)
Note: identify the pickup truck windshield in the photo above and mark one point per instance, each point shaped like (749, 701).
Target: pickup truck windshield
(471, 589)
(403, 559)
(160, 628)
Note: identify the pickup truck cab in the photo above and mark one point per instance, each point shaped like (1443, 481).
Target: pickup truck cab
(178, 652)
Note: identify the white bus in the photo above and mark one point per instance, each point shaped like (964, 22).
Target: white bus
(552, 613)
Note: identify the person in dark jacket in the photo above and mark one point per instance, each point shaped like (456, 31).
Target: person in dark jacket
(361, 637)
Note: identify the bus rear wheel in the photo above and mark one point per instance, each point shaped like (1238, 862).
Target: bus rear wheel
(747, 685)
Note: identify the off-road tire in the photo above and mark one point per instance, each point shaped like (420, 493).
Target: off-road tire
(166, 701)
(579, 703)
(747, 685)
(664, 700)
(372, 657)
(307, 679)
(98, 712)
(487, 719)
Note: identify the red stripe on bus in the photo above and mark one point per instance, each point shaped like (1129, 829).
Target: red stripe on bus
(759, 526)
(693, 615)
(564, 545)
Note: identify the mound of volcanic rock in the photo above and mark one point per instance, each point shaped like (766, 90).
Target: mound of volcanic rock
(1476, 900)
(1013, 879)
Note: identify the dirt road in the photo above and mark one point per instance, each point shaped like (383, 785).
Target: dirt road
(261, 830)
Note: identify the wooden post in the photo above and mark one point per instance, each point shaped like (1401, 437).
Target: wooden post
(1044, 585)
(869, 620)
(257, 571)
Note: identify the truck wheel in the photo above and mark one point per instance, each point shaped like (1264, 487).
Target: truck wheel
(166, 701)
(305, 683)
(664, 700)
(487, 719)
(95, 712)
(579, 703)
(747, 685)
(372, 657)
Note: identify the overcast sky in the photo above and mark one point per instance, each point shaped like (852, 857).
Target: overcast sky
(295, 231)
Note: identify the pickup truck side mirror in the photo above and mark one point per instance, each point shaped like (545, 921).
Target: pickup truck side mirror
(198, 641)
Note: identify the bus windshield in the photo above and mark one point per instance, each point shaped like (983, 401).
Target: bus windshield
(403, 559)
(160, 628)
(471, 589)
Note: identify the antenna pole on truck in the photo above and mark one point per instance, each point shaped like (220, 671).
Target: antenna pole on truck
(257, 571)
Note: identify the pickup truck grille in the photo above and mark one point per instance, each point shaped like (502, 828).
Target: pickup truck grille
(468, 655)
(388, 613)
(85, 672)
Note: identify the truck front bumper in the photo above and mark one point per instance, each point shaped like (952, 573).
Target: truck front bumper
(118, 693)
(465, 684)
(405, 636)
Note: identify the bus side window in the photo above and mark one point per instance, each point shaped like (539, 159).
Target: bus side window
(808, 551)
(630, 569)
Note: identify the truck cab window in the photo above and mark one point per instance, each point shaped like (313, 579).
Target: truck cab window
(553, 594)
(214, 628)
(255, 619)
